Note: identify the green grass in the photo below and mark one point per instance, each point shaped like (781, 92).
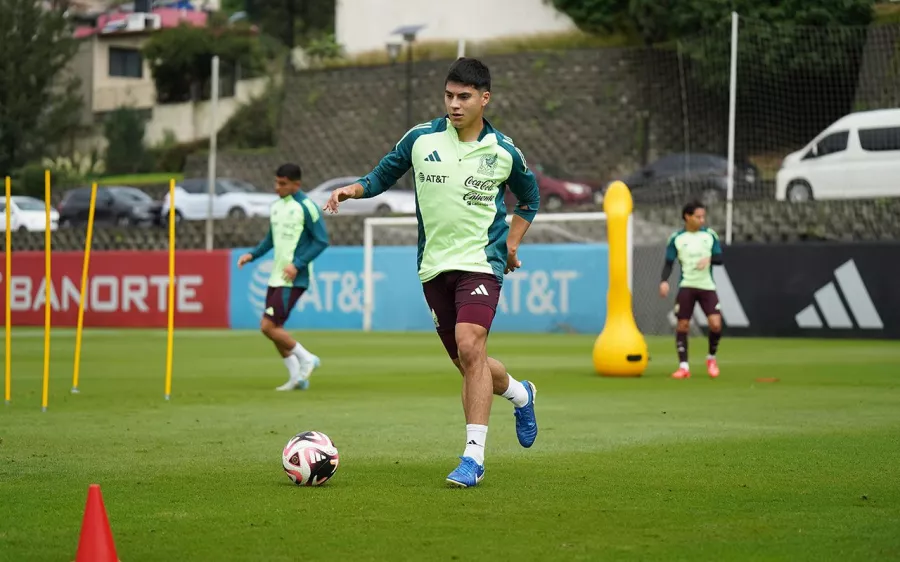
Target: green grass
(640, 469)
(138, 180)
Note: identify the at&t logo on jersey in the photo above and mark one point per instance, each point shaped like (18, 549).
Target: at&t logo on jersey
(432, 178)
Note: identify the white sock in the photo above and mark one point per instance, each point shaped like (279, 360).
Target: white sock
(302, 353)
(684, 365)
(710, 356)
(516, 392)
(293, 367)
(476, 435)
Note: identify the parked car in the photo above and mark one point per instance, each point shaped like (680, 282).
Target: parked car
(555, 193)
(857, 156)
(597, 187)
(233, 198)
(115, 204)
(395, 200)
(27, 214)
(683, 176)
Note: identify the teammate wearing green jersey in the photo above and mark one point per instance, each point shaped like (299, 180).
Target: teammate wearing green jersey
(297, 234)
(462, 166)
(697, 249)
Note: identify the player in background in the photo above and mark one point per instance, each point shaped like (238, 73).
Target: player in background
(697, 249)
(462, 165)
(297, 234)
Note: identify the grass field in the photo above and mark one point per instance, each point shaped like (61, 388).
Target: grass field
(640, 469)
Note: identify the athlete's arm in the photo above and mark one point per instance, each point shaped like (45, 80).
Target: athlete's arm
(390, 169)
(523, 184)
(671, 256)
(314, 239)
(716, 257)
(667, 270)
(263, 247)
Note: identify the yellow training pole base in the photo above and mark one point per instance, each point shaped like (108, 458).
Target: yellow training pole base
(620, 350)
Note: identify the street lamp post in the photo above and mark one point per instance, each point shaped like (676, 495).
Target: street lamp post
(409, 36)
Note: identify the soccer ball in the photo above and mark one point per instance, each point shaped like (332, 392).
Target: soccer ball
(310, 458)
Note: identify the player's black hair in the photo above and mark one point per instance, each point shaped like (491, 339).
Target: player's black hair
(470, 72)
(689, 208)
(289, 171)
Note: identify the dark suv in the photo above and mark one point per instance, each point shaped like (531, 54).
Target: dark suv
(115, 205)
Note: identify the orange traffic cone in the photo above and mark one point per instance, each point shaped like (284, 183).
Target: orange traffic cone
(96, 541)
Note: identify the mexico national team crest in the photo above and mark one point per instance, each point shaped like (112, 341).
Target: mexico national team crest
(488, 163)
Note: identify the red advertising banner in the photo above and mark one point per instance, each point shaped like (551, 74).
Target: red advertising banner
(125, 289)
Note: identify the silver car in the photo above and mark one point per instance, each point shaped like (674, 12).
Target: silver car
(396, 200)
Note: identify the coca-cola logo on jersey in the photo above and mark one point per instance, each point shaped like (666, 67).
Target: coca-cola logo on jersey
(484, 185)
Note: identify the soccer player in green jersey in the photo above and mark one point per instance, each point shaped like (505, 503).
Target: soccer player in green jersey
(697, 249)
(462, 166)
(297, 234)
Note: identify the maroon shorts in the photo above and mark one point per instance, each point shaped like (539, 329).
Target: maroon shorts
(461, 297)
(688, 297)
(280, 302)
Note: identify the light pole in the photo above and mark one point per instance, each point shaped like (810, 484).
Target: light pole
(409, 36)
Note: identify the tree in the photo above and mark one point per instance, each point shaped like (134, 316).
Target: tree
(124, 130)
(38, 103)
(292, 22)
(181, 58)
(662, 20)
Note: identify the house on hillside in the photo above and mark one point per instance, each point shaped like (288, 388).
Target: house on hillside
(114, 73)
(367, 25)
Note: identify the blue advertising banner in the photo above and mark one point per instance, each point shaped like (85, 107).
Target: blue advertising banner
(562, 287)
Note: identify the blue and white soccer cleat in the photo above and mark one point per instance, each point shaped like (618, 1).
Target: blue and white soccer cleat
(307, 367)
(526, 424)
(468, 474)
(306, 370)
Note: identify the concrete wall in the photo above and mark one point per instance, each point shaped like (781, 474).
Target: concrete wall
(191, 121)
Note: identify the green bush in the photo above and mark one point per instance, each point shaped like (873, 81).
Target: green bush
(29, 180)
(253, 124)
(125, 153)
(172, 157)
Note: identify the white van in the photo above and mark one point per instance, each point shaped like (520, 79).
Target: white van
(856, 157)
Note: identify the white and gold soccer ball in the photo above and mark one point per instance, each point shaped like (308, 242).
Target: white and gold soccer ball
(310, 458)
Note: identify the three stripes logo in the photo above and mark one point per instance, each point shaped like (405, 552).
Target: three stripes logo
(433, 157)
(830, 305)
(480, 290)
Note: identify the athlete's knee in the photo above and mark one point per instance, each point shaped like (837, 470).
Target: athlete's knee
(715, 322)
(470, 340)
(683, 325)
(267, 327)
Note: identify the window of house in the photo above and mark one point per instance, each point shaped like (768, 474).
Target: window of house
(125, 63)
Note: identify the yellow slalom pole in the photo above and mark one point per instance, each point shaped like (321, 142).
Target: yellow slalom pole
(84, 284)
(7, 282)
(171, 306)
(48, 284)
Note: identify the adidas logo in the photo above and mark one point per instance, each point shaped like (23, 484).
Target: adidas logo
(433, 157)
(831, 306)
(270, 311)
(480, 290)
